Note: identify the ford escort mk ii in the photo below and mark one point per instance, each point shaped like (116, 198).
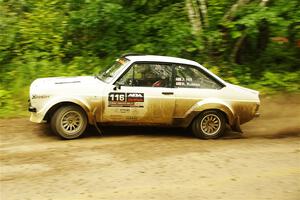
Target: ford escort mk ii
(143, 90)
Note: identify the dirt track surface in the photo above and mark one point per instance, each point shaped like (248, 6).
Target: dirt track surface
(146, 163)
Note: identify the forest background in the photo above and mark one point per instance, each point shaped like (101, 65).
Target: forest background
(253, 43)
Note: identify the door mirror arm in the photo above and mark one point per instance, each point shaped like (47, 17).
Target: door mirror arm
(117, 87)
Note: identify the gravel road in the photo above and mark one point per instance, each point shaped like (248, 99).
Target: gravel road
(155, 163)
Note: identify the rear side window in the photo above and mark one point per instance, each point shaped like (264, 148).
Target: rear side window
(192, 77)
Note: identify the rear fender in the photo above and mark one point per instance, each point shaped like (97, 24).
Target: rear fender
(213, 104)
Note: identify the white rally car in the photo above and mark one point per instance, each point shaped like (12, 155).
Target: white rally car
(143, 90)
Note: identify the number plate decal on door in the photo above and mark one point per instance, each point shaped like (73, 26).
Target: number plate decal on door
(117, 99)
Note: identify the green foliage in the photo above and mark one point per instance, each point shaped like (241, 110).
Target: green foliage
(251, 44)
(271, 82)
(4, 96)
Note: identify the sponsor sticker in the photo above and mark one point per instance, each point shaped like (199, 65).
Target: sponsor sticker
(35, 96)
(118, 99)
(135, 97)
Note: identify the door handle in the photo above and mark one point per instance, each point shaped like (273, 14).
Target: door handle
(168, 93)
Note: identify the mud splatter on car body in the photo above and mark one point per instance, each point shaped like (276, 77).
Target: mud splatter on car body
(177, 91)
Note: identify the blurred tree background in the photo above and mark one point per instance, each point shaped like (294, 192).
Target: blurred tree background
(255, 43)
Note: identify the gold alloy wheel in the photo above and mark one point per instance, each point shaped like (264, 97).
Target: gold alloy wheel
(210, 124)
(71, 122)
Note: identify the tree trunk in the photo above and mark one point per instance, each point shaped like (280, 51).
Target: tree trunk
(263, 2)
(238, 45)
(234, 8)
(203, 12)
(263, 36)
(194, 17)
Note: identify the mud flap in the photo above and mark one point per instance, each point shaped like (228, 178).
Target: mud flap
(95, 123)
(236, 126)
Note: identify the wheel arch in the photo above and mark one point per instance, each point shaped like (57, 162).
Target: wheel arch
(55, 106)
(213, 109)
(212, 104)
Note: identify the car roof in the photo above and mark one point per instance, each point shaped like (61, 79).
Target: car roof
(155, 58)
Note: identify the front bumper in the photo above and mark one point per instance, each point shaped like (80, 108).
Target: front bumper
(35, 116)
(31, 109)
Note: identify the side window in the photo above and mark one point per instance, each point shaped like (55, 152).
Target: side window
(191, 77)
(148, 75)
(126, 79)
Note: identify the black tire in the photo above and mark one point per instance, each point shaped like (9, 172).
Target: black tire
(209, 125)
(69, 122)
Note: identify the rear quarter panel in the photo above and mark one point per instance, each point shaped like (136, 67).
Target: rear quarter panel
(236, 103)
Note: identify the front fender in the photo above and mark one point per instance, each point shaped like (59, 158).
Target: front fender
(40, 115)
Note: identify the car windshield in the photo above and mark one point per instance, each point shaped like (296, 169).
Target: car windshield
(108, 73)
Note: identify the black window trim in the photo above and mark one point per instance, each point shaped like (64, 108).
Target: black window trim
(205, 73)
(173, 66)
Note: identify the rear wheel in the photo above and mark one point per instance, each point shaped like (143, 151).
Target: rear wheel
(209, 124)
(69, 122)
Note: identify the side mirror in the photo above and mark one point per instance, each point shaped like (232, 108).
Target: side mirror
(117, 87)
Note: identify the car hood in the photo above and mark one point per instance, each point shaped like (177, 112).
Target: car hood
(65, 85)
(63, 80)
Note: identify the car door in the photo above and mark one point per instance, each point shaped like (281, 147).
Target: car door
(142, 95)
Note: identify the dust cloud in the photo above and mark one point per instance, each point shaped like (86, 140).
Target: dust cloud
(280, 118)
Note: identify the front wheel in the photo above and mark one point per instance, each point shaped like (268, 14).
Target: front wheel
(209, 124)
(69, 122)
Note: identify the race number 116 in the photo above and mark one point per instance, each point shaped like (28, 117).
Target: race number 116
(116, 97)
